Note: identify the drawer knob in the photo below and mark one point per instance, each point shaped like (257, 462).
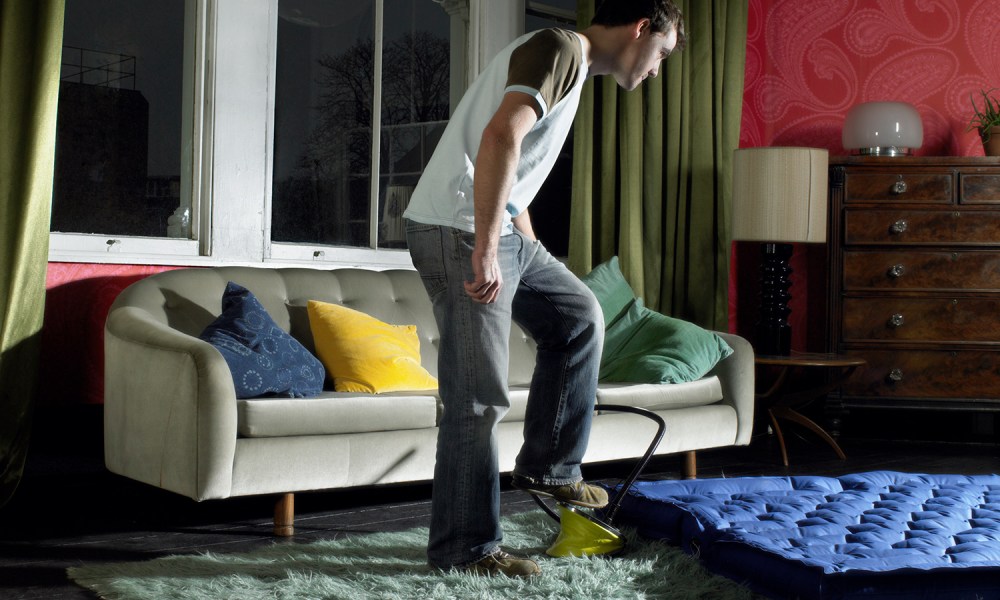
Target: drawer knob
(896, 320)
(899, 187)
(896, 271)
(898, 227)
(896, 375)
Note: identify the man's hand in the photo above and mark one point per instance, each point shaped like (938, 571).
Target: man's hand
(487, 283)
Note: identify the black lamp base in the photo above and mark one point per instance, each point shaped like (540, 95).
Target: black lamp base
(773, 333)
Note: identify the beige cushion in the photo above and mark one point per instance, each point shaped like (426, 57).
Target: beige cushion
(336, 412)
(702, 392)
(655, 396)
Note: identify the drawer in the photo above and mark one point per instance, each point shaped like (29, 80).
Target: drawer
(955, 320)
(930, 374)
(952, 227)
(979, 188)
(903, 186)
(921, 270)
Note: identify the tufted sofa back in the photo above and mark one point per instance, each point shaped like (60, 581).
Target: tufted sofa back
(189, 299)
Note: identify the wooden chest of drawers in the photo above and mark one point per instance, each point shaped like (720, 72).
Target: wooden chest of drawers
(915, 279)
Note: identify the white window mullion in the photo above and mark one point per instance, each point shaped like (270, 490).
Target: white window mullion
(198, 155)
(240, 116)
(272, 66)
(376, 171)
(492, 25)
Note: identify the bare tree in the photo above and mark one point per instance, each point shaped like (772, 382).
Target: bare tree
(415, 89)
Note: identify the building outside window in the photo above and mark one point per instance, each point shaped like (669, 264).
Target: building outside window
(119, 134)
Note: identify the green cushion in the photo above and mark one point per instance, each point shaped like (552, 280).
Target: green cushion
(644, 346)
(612, 291)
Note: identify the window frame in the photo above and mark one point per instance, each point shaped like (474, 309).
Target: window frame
(230, 51)
(98, 248)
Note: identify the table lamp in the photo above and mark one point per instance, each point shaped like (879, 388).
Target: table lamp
(779, 197)
(883, 129)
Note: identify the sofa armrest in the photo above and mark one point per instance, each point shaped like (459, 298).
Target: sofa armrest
(736, 373)
(170, 407)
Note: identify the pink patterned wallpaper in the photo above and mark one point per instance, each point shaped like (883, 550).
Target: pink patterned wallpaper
(77, 299)
(809, 61)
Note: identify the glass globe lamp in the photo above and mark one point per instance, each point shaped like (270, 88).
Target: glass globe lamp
(883, 129)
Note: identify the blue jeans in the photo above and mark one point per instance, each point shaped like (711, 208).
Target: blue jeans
(563, 317)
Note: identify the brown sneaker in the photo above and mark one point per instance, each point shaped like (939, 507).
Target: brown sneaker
(578, 494)
(501, 563)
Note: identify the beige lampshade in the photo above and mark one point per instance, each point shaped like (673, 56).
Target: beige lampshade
(779, 194)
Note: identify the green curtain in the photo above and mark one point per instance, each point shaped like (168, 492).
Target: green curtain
(652, 168)
(30, 52)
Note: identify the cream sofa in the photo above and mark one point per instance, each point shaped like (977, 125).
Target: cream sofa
(172, 418)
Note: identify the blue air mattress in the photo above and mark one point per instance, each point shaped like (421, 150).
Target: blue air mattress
(870, 535)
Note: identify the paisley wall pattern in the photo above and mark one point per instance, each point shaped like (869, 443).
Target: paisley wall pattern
(810, 61)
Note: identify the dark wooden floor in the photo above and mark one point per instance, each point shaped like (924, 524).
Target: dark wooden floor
(69, 510)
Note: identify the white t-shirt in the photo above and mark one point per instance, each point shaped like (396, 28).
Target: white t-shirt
(549, 66)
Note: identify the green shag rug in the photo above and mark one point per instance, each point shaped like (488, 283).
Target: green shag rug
(393, 566)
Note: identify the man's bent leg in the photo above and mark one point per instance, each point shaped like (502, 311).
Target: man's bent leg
(563, 316)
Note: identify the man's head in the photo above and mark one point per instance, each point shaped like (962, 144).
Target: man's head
(663, 16)
(646, 32)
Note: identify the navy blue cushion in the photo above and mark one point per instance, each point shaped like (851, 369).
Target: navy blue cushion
(264, 358)
(872, 535)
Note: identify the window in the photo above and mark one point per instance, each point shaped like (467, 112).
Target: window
(336, 67)
(238, 132)
(119, 128)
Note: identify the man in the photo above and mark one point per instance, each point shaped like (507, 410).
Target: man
(471, 239)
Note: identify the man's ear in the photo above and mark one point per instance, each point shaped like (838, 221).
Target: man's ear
(641, 26)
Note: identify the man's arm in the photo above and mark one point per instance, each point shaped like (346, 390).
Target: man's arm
(496, 166)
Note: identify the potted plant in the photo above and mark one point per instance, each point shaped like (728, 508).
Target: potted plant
(987, 121)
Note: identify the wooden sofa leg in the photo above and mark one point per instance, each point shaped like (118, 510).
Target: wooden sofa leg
(689, 468)
(284, 515)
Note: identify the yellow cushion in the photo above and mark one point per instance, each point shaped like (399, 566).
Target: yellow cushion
(363, 354)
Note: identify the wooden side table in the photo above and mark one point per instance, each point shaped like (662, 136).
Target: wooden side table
(820, 372)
